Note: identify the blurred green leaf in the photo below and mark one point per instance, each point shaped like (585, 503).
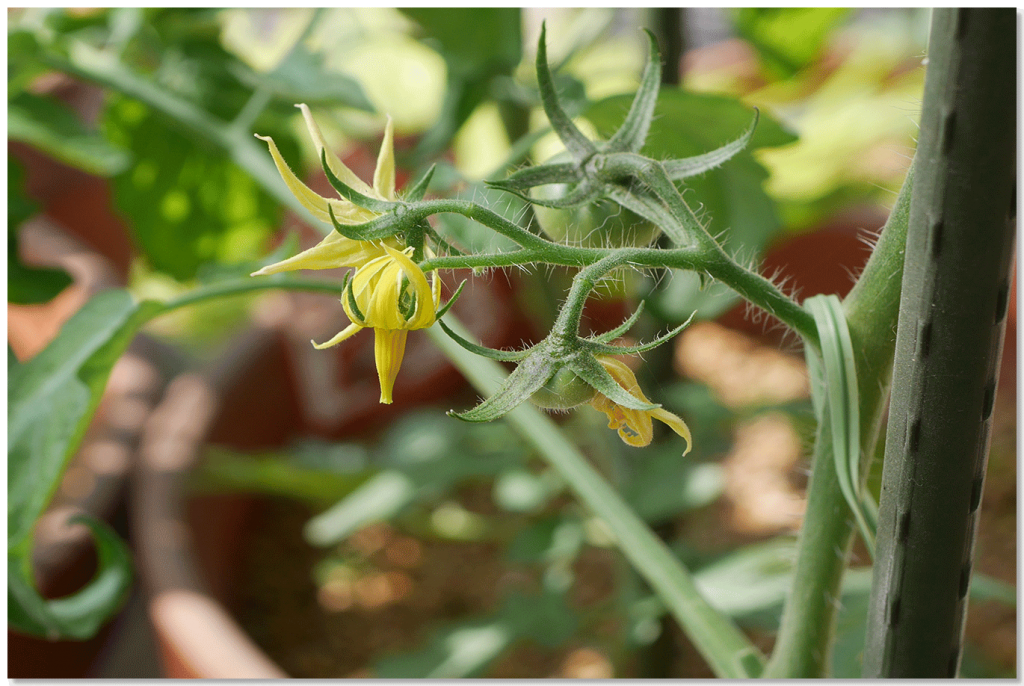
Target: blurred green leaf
(549, 539)
(666, 485)
(51, 127)
(787, 39)
(458, 651)
(478, 44)
(26, 285)
(464, 649)
(65, 380)
(423, 458)
(302, 78)
(188, 204)
(473, 39)
(275, 474)
(80, 615)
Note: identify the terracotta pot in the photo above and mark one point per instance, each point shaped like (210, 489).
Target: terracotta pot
(197, 637)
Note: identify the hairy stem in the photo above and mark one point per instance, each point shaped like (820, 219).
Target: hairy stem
(804, 643)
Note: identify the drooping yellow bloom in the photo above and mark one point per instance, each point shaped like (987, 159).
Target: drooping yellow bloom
(635, 427)
(336, 250)
(391, 295)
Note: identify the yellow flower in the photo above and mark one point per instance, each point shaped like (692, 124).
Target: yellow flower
(336, 250)
(635, 427)
(391, 295)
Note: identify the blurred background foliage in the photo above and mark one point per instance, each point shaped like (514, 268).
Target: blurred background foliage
(838, 93)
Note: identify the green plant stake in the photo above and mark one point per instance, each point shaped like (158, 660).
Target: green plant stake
(949, 343)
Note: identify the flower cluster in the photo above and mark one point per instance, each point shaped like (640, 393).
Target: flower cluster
(378, 236)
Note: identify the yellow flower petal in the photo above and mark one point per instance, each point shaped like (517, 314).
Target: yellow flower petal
(332, 252)
(635, 427)
(676, 424)
(344, 211)
(384, 174)
(348, 332)
(423, 316)
(388, 351)
(337, 167)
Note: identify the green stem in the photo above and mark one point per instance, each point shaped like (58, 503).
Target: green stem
(723, 645)
(804, 643)
(249, 285)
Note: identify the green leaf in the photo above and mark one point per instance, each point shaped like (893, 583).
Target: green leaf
(455, 651)
(473, 39)
(464, 649)
(53, 128)
(303, 77)
(664, 486)
(26, 285)
(64, 381)
(187, 203)
(477, 45)
(80, 615)
(787, 39)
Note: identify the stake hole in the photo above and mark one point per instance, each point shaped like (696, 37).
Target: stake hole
(904, 528)
(926, 340)
(936, 236)
(976, 489)
(989, 400)
(894, 612)
(948, 132)
(965, 579)
(1002, 301)
(915, 436)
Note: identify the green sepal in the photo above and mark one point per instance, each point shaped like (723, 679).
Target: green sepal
(530, 375)
(482, 351)
(591, 371)
(360, 318)
(442, 242)
(578, 145)
(631, 135)
(584, 193)
(443, 310)
(419, 189)
(650, 209)
(692, 166)
(622, 328)
(605, 349)
(540, 175)
(352, 195)
(350, 231)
